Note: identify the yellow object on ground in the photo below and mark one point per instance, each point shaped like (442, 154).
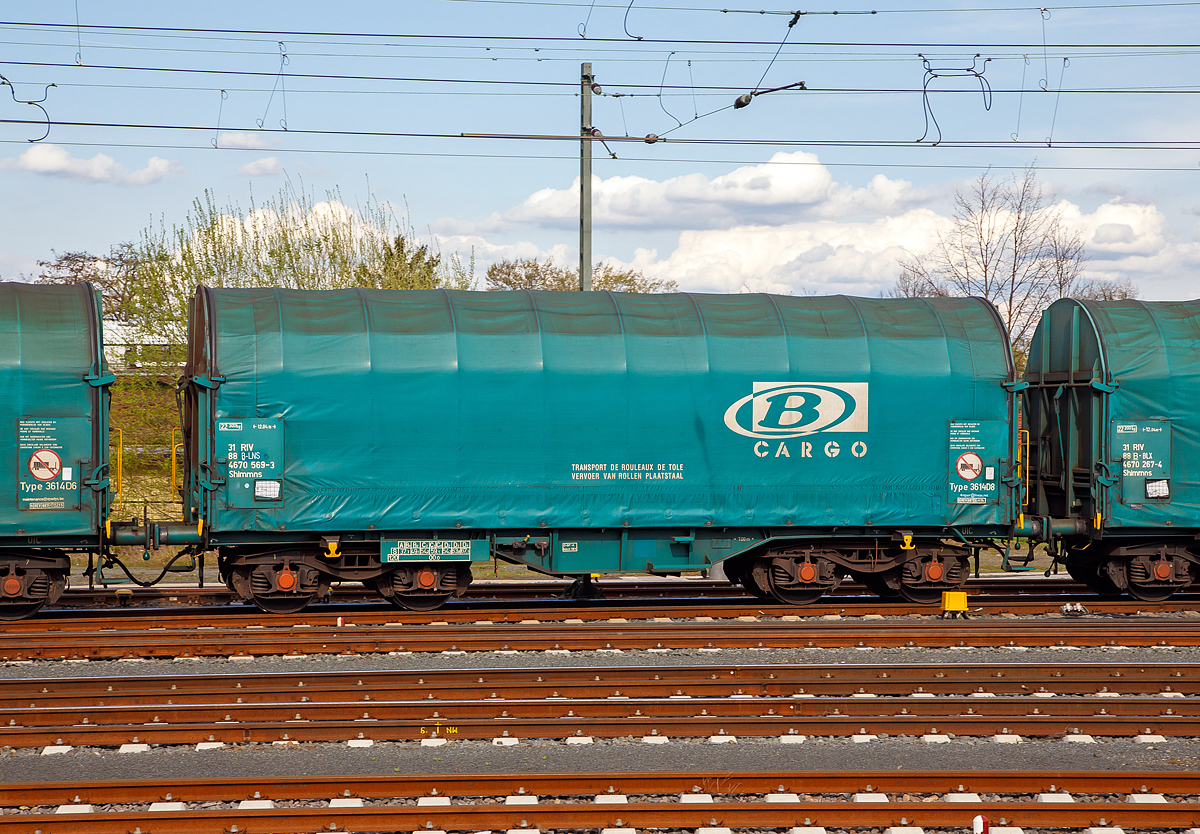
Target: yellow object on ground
(954, 600)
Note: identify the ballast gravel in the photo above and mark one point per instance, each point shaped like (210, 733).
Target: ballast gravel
(630, 755)
(419, 661)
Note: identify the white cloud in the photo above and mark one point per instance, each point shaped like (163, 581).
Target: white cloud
(790, 227)
(242, 140)
(825, 256)
(1119, 228)
(264, 167)
(789, 187)
(14, 267)
(54, 161)
(487, 253)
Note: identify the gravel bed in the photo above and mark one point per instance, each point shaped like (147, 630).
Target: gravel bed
(418, 661)
(623, 755)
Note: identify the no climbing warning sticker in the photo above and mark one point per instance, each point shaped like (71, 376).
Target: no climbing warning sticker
(975, 450)
(969, 466)
(45, 464)
(44, 482)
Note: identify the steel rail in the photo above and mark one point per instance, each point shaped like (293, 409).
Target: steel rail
(679, 606)
(1015, 783)
(782, 680)
(633, 607)
(535, 635)
(739, 800)
(543, 589)
(676, 608)
(606, 718)
(945, 815)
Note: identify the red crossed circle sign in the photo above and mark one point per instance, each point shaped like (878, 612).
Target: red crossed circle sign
(969, 466)
(45, 464)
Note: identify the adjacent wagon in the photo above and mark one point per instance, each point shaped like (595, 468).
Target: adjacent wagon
(1113, 415)
(54, 403)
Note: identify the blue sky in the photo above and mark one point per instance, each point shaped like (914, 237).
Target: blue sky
(802, 191)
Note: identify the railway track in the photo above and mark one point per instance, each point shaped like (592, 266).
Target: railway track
(1013, 594)
(394, 632)
(489, 801)
(541, 589)
(1113, 700)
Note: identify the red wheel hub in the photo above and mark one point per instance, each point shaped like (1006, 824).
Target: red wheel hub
(286, 580)
(807, 572)
(1162, 570)
(12, 587)
(426, 578)
(933, 571)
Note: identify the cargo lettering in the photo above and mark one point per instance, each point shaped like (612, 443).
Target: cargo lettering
(45, 479)
(973, 486)
(804, 449)
(247, 462)
(787, 410)
(794, 409)
(627, 472)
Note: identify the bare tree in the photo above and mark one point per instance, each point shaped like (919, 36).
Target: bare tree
(1009, 244)
(532, 274)
(114, 274)
(1099, 290)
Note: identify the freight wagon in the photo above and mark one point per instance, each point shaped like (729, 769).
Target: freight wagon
(1113, 414)
(397, 438)
(54, 400)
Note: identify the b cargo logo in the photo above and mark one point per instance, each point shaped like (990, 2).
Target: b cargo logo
(796, 409)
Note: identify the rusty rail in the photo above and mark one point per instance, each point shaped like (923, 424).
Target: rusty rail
(392, 634)
(607, 703)
(478, 801)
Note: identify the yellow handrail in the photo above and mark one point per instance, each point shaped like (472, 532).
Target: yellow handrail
(1023, 446)
(176, 488)
(117, 469)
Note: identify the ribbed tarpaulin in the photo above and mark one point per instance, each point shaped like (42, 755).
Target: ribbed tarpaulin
(492, 410)
(49, 343)
(1151, 350)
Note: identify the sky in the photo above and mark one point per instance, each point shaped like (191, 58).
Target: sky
(460, 113)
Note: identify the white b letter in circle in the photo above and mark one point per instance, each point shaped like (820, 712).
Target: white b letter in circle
(858, 449)
(762, 449)
(832, 449)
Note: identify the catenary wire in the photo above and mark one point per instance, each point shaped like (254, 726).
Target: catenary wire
(624, 159)
(559, 39)
(521, 83)
(1106, 144)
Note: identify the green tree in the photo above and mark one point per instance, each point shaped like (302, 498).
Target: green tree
(290, 240)
(532, 274)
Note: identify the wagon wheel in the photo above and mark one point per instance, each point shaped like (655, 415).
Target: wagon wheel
(1150, 593)
(419, 602)
(922, 581)
(753, 576)
(792, 594)
(1098, 582)
(922, 594)
(20, 610)
(797, 596)
(277, 604)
